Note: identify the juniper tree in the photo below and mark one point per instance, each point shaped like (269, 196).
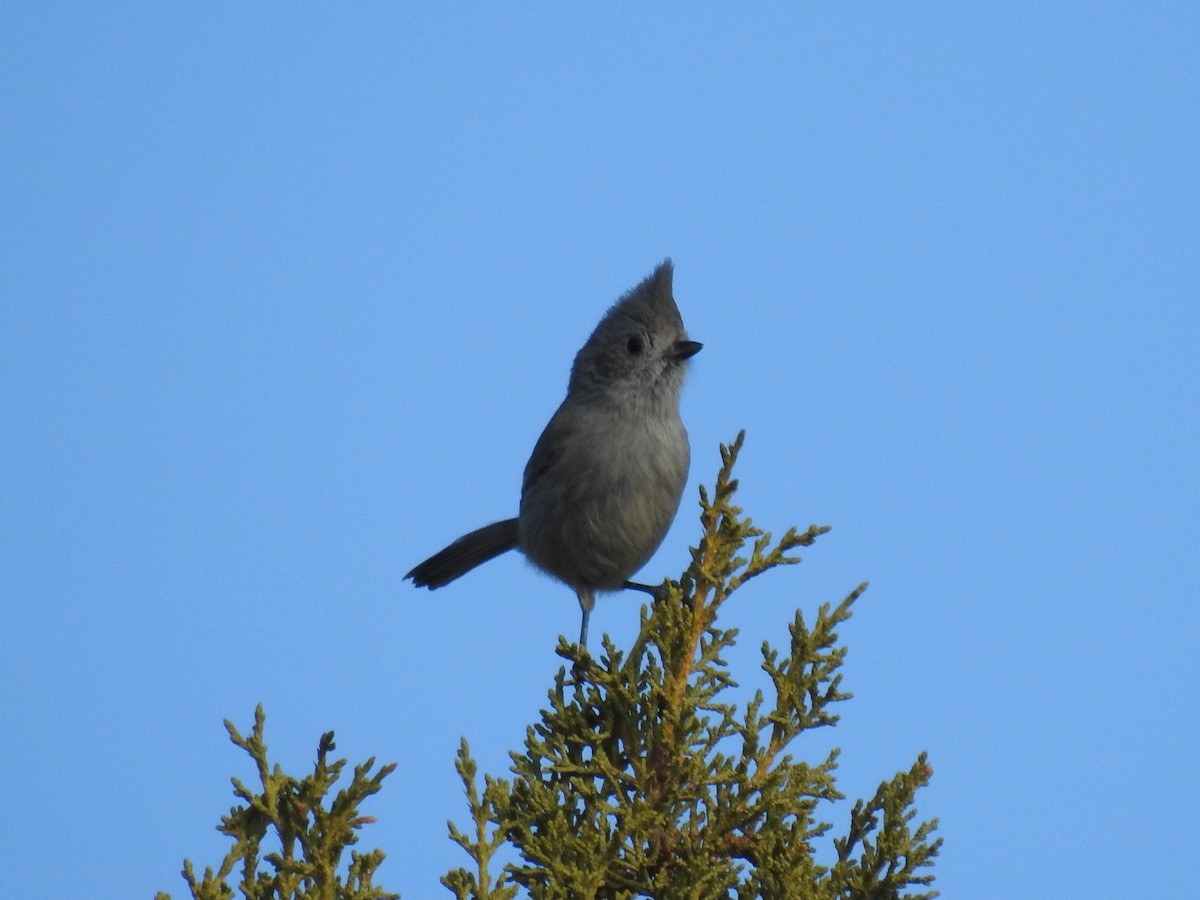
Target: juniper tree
(311, 829)
(643, 778)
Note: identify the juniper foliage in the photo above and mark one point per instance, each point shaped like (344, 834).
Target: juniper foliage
(641, 779)
(644, 779)
(312, 830)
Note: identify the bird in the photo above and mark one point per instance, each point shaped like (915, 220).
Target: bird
(604, 480)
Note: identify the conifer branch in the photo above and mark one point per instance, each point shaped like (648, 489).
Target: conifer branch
(895, 857)
(296, 813)
(641, 779)
(484, 843)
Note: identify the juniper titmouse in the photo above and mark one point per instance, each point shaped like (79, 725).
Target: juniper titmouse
(605, 478)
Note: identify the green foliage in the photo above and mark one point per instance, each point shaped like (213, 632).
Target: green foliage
(312, 836)
(642, 780)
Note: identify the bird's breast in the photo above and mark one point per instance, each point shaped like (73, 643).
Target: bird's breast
(601, 511)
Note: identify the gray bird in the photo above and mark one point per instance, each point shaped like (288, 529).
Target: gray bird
(604, 481)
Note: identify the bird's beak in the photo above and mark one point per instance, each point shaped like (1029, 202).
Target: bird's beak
(685, 350)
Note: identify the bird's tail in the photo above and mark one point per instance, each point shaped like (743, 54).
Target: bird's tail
(466, 553)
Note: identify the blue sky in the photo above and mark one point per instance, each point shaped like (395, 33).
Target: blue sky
(288, 293)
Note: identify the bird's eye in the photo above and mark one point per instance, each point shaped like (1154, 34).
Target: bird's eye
(634, 345)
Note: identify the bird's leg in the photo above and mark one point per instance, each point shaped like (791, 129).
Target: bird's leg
(587, 599)
(654, 590)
